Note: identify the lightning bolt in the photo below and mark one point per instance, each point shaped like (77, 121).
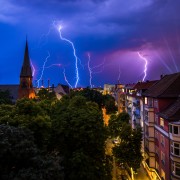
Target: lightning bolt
(42, 72)
(145, 66)
(33, 68)
(90, 70)
(58, 65)
(66, 78)
(74, 53)
(119, 74)
(99, 66)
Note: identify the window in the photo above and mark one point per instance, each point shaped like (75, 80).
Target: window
(145, 100)
(175, 148)
(146, 143)
(174, 129)
(162, 158)
(150, 102)
(170, 128)
(162, 122)
(146, 115)
(146, 130)
(162, 140)
(156, 134)
(176, 168)
(156, 150)
(156, 119)
(156, 103)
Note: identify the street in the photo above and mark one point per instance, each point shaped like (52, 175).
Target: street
(120, 173)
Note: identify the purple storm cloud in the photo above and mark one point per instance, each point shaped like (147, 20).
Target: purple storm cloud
(114, 30)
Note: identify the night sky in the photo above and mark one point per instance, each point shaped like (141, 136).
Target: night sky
(109, 32)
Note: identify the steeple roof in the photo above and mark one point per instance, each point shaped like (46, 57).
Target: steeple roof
(26, 67)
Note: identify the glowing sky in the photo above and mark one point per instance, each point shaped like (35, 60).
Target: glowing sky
(112, 32)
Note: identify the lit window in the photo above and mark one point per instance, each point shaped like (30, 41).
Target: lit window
(175, 148)
(176, 168)
(162, 122)
(145, 100)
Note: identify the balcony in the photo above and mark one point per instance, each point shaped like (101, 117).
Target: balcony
(174, 137)
(137, 115)
(136, 104)
(175, 158)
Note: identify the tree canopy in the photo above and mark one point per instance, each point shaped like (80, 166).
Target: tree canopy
(106, 101)
(116, 122)
(69, 133)
(5, 97)
(21, 159)
(80, 128)
(128, 151)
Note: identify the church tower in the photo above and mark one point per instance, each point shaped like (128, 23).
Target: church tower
(26, 87)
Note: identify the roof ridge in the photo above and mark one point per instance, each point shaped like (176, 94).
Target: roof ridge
(176, 76)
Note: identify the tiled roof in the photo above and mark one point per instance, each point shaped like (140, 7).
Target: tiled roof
(167, 87)
(172, 112)
(130, 86)
(144, 85)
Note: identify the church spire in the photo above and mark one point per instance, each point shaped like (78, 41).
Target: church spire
(26, 68)
(26, 86)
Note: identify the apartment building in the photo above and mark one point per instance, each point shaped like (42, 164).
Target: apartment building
(161, 128)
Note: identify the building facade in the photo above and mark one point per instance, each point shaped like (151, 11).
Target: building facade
(158, 139)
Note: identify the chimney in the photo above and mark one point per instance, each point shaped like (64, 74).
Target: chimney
(48, 84)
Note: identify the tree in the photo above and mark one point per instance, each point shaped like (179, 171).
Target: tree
(90, 95)
(79, 136)
(44, 94)
(29, 114)
(6, 113)
(5, 97)
(21, 159)
(116, 122)
(109, 103)
(128, 151)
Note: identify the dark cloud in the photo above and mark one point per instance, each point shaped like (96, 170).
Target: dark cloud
(108, 28)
